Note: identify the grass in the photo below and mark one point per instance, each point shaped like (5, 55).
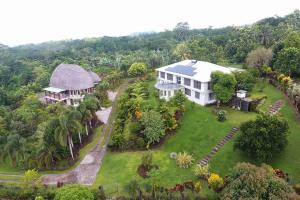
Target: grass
(198, 134)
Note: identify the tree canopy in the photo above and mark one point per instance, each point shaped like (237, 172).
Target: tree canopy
(223, 85)
(263, 138)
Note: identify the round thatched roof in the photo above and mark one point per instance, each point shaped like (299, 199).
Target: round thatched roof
(95, 77)
(72, 77)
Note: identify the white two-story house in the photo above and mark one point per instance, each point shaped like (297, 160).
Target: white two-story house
(192, 77)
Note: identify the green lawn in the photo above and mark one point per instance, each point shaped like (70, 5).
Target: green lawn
(198, 134)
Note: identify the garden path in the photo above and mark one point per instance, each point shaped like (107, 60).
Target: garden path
(273, 109)
(85, 173)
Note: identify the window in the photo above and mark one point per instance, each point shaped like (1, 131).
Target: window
(197, 95)
(169, 93)
(170, 77)
(187, 91)
(162, 74)
(187, 81)
(178, 80)
(165, 93)
(211, 96)
(197, 85)
(161, 93)
(209, 85)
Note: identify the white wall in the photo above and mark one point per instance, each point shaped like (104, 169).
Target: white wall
(204, 92)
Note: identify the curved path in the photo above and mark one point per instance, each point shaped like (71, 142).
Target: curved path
(85, 173)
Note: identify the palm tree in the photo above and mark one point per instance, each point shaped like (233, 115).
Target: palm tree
(93, 105)
(13, 149)
(86, 116)
(69, 123)
(46, 156)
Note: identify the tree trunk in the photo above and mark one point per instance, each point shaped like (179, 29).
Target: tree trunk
(79, 135)
(218, 103)
(86, 130)
(72, 141)
(70, 147)
(90, 122)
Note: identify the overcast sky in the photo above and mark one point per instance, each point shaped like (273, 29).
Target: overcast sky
(35, 21)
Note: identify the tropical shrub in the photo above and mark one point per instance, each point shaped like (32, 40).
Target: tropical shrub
(263, 138)
(31, 177)
(137, 69)
(202, 171)
(74, 192)
(198, 187)
(154, 126)
(184, 160)
(247, 181)
(221, 115)
(215, 181)
(178, 100)
(147, 159)
(297, 188)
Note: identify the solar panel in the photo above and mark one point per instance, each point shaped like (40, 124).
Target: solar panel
(182, 69)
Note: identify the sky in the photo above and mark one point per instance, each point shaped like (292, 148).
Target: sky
(36, 21)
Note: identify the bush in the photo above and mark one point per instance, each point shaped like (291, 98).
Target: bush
(184, 160)
(221, 115)
(202, 171)
(134, 127)
(137, 69)
(297, 188)
(147, 159)
(247, 181)
(140, 143)
(215, 182)
(74, 192)
(154, 126)
(198, 187)
(173, 155)
(31, 178)
(263, 138)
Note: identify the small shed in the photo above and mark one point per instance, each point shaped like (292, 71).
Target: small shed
(241, 94)
(241, 102)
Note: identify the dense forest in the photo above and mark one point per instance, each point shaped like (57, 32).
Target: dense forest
(24, 70)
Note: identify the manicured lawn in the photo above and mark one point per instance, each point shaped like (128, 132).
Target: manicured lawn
(198, 134)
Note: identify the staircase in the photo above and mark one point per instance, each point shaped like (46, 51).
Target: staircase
(227, 138)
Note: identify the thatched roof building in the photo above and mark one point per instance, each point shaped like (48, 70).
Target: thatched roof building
(73, 77)
(69, 83)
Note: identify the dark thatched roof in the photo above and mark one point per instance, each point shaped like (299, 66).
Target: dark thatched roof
(72, 77)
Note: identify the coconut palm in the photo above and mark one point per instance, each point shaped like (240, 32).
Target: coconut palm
(69, 124)
(86, 116)
(93, 105)
(13, 149)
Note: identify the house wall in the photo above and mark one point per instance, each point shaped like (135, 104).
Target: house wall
(204, 91)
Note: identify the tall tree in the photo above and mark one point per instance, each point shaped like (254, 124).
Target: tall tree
(223, 86)
(69, 124)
